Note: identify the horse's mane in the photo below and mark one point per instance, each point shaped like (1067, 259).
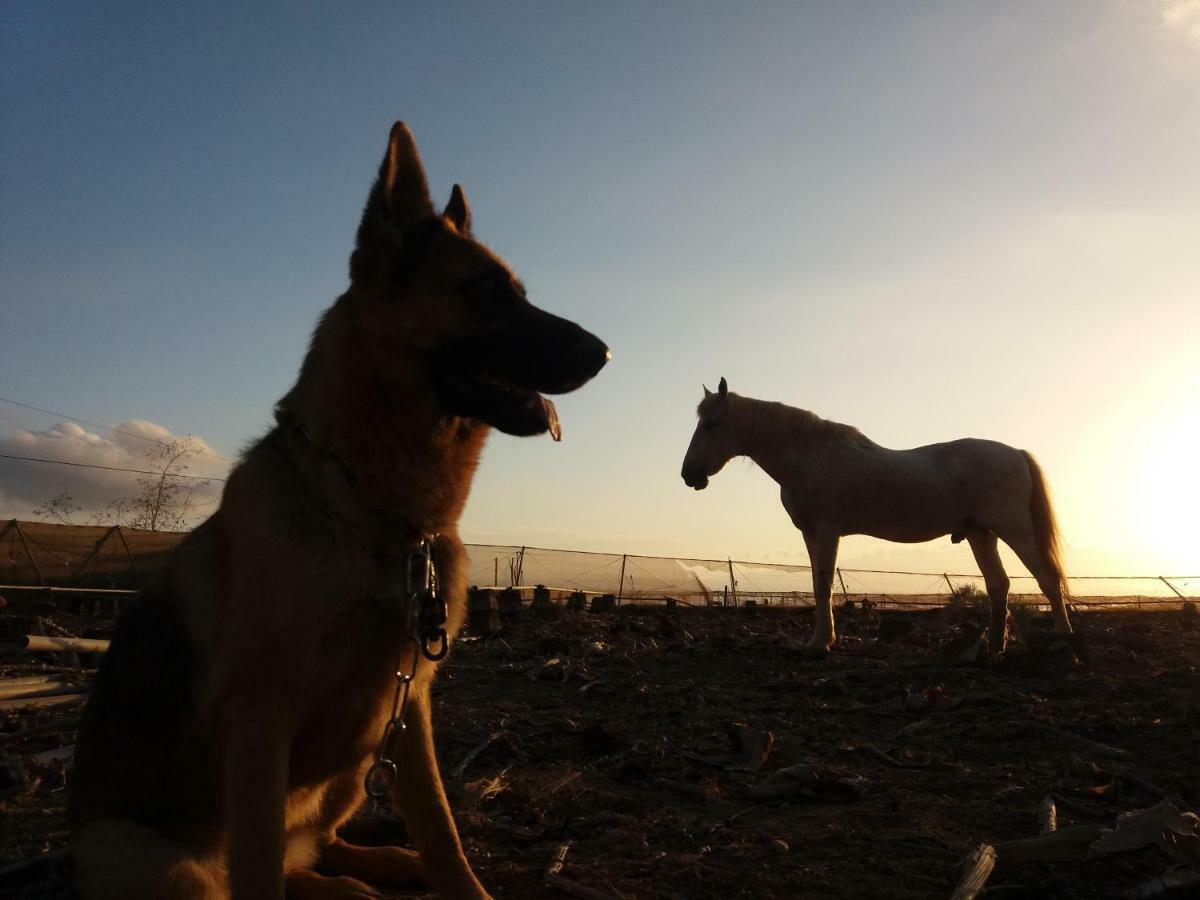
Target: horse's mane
(771, 417)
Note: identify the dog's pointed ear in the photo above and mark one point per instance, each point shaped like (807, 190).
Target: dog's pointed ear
(405, 191)
(707, 392)
(398, 200)
(457, 210)
(722, 388)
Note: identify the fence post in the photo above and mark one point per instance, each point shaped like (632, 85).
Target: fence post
(28, 552)
(95, 551)
(1163, 579)
(621, 586)
(845, 596)
(137, 572)
(949, 582)
(732, 581)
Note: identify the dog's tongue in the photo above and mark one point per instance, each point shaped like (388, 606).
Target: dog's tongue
(551, 415)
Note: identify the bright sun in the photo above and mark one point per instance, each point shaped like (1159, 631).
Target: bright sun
(1168, 500)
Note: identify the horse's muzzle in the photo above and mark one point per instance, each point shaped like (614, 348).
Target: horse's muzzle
(695, 480)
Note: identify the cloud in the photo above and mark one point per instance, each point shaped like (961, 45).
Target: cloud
(1182, 17)
(132, 445)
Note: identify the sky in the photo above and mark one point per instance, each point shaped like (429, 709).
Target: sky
(929, 221)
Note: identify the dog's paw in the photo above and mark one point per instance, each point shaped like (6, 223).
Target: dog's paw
(308, 885)
(391, 867)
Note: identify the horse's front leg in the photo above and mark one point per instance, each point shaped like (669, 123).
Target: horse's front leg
(822, 556)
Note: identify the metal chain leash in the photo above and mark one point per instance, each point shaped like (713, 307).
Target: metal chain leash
(424, 630)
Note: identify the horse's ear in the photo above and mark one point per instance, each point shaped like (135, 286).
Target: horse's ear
(457, 210)
(707, 392)
(722, 388)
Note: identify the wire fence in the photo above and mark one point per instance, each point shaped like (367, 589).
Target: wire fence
(117, 560)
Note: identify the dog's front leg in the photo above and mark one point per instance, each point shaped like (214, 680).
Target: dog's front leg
(256, 746)
(419, 794)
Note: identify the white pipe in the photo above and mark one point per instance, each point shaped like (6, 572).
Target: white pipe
(64, 644)
(45, 689)
(42, 702)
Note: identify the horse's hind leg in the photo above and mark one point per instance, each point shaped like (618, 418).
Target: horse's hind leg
(1047, 575)
(822, 556)
(987, 557)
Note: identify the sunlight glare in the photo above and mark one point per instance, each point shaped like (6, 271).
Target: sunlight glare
(1168, 504)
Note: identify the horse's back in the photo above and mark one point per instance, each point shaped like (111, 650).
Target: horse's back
(989, 479)
(978, 456)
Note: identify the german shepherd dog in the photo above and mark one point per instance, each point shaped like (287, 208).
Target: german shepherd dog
(245, 694)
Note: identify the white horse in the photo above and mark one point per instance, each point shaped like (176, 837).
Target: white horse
(836, 481)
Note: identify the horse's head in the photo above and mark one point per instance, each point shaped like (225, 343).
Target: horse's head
(713, 443)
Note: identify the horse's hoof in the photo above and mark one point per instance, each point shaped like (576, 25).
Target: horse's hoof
(1079, 645)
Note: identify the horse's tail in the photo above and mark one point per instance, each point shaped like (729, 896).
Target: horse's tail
(1045, 524)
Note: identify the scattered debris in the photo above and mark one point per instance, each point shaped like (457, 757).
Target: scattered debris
(802, 782)
(1047, 816)
(475, 751)
(13, 777)
(1103, 750)
(556, 879)
(979, 867)
(1163, 825)
(968, 646)
(892, 627)
(1177, 881)
(1060, 845)
(748, 749)
(610, 734)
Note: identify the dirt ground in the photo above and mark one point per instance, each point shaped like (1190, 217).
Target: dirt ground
(697, 753)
